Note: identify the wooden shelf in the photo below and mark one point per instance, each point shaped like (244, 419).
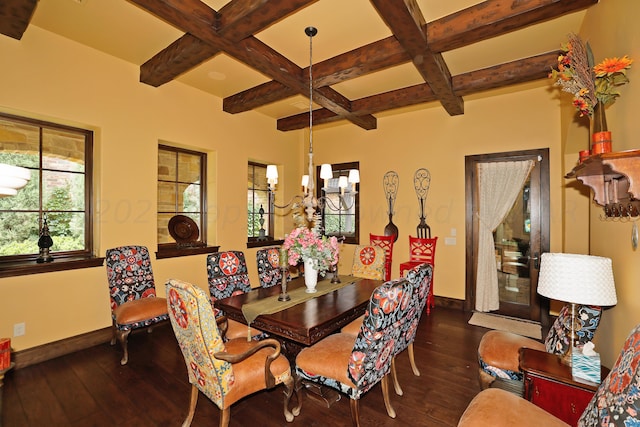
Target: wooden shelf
(614, 179)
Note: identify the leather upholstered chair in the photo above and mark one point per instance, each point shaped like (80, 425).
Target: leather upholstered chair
(386, 243)
(268, 260)
(498, 350)
(228, 275)
(132, 294)
(224, 372)
(421, 251)
(368, 262)
(616, 402)
(354, 364)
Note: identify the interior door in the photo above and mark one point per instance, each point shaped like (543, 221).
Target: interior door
(519, 240)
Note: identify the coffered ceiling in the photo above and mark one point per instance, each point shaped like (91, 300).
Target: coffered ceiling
(369, 57)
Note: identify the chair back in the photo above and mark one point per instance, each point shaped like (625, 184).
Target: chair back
(558, 338)
(420, 279)
(227, 274)
(269, 272)
(373, 350)
(386, 243)
(368, 262)
(129, 274)
(617, 401)
(422, 250)
(195, 328)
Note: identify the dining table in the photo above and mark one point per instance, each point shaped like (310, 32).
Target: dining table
(306, 318)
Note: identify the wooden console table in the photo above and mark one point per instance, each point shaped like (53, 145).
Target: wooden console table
(548, 383)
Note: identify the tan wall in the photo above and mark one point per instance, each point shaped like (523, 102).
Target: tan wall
(53, 79)
(612, 30)
(431, 139)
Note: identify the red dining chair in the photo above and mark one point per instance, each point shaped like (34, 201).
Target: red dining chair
(421, 251)
(386, 243)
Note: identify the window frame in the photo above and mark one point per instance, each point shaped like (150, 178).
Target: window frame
(340, 169)
(175, 249)
(17, 265)
(269, 239)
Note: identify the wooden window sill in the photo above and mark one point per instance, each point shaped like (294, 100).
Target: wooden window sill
(173, 251)
(21, 268)
(264, 243)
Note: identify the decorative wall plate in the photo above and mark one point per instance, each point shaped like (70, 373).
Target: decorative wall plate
(183, 229)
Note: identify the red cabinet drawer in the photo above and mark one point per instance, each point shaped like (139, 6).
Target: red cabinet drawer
(562, 400)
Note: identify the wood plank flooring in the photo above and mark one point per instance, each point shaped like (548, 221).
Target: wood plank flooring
(90, 388)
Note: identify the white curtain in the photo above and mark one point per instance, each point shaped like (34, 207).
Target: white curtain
(499, 183)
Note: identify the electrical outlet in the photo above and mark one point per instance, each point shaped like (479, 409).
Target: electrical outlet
(19, 329)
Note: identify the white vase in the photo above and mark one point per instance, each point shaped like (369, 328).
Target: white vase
(310, 276)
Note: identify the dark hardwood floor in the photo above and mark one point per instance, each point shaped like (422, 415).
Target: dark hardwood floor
(90, 388)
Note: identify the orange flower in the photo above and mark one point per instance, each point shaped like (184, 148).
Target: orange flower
(612, 65)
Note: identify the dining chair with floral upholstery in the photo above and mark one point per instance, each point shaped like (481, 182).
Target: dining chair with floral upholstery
(420, 278)
(269, 271)
(354, 364)
(498, 350)
(228, 275)
(368, 262)
(132, 293)
(224, 372)
(616, 402)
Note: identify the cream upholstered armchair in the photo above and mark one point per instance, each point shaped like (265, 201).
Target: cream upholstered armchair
(615, 403)
(225, 372)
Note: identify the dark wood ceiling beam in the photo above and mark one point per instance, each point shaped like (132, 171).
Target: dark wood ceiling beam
(252, 52)
(373, 57)
(406, 22)
(236, 20)
(15, 16)
(492, 18)
(502, 75)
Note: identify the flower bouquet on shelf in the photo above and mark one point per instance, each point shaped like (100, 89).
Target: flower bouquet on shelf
(593, 87)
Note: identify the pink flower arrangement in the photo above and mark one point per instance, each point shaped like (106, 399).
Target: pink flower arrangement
(303, 243)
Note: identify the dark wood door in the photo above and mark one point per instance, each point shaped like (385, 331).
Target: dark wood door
(520, 239)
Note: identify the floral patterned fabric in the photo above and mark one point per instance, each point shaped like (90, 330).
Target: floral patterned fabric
(130, 278)
(420, 279)
(269, 267)
(374, 346)
(197, 333)
(617, 400)
(227, 273)
(368, 262)
(557, 340)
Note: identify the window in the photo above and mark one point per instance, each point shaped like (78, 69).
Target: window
(181, 191)
(341, 209)
(60, 160)
(259, 205)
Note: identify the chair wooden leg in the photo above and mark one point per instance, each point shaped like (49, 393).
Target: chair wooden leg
(298, 388)
(289, 386)
(192, 406)
(412, 360)
(225, 416)
(355, 412)
(123, 338)
(394, 377)
(385, 395)
(114, 332)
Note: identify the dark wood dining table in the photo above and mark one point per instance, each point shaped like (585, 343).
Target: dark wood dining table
(310, 321)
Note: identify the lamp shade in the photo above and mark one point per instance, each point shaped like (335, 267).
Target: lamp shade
(354, 176)
(325, 171)
(578, 279)
(12, 179)
(272, 172)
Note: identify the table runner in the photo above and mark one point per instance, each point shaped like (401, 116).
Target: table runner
(271, 304)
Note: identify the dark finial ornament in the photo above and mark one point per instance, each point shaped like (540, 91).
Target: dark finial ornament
(44, 243)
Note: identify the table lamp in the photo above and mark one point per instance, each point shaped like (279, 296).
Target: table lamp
(576, 279)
